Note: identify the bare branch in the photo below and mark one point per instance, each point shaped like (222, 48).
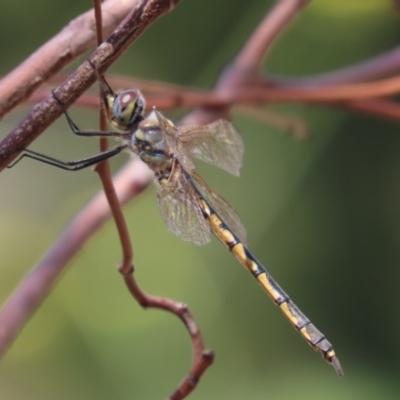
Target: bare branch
(202, 358)
(380, 107)
(384, 65)
(256, 48)
(245, 68)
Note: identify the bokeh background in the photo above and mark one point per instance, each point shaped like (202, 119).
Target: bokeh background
(323, 215)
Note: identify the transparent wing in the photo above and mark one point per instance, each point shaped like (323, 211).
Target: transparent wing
(180, 209)
(174, 144)
(218, 143)
(221, 207)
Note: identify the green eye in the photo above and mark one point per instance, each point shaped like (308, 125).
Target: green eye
(128, 108)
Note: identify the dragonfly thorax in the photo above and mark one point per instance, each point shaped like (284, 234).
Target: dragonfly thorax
(148, 142)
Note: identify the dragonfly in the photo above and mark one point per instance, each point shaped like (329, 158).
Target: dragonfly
(190, 209)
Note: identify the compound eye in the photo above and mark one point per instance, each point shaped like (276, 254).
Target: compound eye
(128, 108)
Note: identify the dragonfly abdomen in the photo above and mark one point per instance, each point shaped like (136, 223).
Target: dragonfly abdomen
(315, 338)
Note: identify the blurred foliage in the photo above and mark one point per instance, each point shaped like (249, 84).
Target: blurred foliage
(323, 215)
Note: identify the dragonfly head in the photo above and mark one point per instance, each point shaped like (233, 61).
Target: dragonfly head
(126, 109)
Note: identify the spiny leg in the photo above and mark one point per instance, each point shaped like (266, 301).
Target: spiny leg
(75, 165)
(77, 131)
(105, 89)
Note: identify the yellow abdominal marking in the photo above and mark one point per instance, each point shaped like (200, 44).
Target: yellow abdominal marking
(266, 285)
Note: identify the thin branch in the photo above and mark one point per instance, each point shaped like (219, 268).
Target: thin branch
(378, 67)
(246, 65)
(202, 358)
(103, 168)
(351, 91)
(380, 107)
(180, 96)
(256, 48)
(293, 125)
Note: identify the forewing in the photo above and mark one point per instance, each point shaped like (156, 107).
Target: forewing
(217, 143)
(179, 206)
(221, 207)
(174, 143)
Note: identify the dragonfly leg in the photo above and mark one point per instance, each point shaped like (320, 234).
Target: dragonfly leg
(75, 165)
(105, 88)
(77, 131)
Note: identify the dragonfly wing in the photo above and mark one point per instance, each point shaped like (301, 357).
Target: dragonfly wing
(218, 143)
(179, 206)
(221, 207)
(174, 144)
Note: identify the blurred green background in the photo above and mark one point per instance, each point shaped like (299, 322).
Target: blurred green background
(323, 215)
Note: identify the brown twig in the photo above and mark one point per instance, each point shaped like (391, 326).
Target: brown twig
(103, 168)
(245, 68)
(202, 358)
(256, 48)
(162, 97)
(381, 107)
(48, 59)
(378, 67)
